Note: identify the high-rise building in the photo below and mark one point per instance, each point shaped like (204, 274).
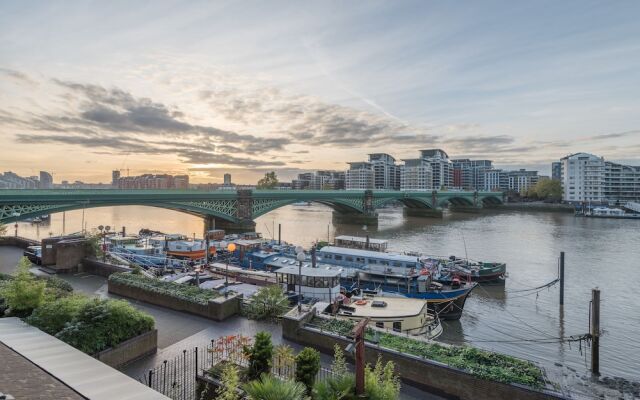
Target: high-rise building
(359, 176)
(589, 178)
(386, 173)
(150, 181)
(320, 180)
(10, 180)
(46, 180)
(115, 177)
(441, 169)
(227, 179)
(515, 181)
(556, 170)
(416, 175)
(469, 174)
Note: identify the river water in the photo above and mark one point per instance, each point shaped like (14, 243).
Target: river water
(602, 253)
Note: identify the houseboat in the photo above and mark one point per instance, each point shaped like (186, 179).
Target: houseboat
(401, 315)
(606, 212)
(318, 284)
(477, 271)
(362, 243)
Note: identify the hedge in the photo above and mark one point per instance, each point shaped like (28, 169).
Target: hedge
(180, 291)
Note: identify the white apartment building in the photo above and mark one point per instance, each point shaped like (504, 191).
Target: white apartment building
(359, 176)
(386, 174)
(517, 181)
(416, 175)
(441, 168)
(589, 178)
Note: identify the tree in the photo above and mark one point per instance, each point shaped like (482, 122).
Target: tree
(3, 229)
(381, 382)
(269, 181)
(549, 189)
(268, 302)
(307, 367)
(260, 355)
(52, 317)
(341, 385)
(271, 388)
(283, 360)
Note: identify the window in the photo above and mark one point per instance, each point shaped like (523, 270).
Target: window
(349, 259)
(397, 326)
(379, 324)
(338, 258)
(397, 264)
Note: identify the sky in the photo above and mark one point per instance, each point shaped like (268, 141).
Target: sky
(245, 87)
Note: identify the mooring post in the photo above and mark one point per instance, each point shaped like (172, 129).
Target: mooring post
(595, 331)
(562, 278)
(279, 234)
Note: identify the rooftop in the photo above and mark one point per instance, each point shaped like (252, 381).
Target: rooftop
(326, 272)
(396, 307)
(360, 239)
(367, 253)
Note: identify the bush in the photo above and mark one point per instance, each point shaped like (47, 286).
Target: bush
(260, 355)
(52, 317)
(268, 302)
(24, 292)
(381, 383)
(184, 292)
(307, 367)
(101, 324)
(230, 380)
(270, 388)
(341, 385)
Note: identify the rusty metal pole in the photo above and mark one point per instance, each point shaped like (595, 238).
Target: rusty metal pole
(595, 331)
(562, 278)
(358, 334)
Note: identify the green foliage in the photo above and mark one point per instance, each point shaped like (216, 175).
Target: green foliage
(184, 292)
(3, 229)
(94, 245)
(283, 360)
(548, 189)
(269, 181)
(339, 365)
(268, 302)
(321, 244)
(270, 388)
(136, 270)
(340, 386)
(260, 355)
(100, 324)
(24, 292)
(481, 363)
(307, 367)
(380, 382)
(230, 380)
(52, 317)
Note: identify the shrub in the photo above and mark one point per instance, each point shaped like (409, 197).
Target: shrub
(184, 292)
(230, 380)
(24, 292)
(52, 317)
(268, 302)
(381, 383)
(341, 385)
(307, 367)
(283, 360)
(260, 355)
(101, 324)
(270, 388)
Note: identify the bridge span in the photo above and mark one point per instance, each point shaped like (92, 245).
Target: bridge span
(231, 209)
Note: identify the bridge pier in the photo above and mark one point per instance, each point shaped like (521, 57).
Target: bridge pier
(234, 227)
(355, 218)
(422, 212)
(465, 209)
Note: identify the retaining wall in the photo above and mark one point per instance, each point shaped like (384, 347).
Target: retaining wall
(217, 309)
(18, 241)
(96, 267)
(130, 350)
(430, 375)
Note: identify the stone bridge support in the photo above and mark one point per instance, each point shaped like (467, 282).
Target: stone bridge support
(368, 217)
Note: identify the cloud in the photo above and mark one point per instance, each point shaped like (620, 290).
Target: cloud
(615, 135)
(17, 76)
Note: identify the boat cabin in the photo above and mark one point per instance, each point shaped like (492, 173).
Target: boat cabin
(356, 258)
(317, 283)
(362, 243)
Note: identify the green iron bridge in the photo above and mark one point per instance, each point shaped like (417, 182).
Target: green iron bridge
(238, 209)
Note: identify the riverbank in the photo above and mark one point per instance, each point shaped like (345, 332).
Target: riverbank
(536, 206)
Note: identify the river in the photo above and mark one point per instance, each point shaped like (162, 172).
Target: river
(602, 253)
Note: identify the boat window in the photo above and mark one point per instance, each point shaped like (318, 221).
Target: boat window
(328, 257)
(397, 264)
(360, 259)
(338, 258)
(379, 324)
(349, 258)
(384, 262)
(371, 261)
(397, 326)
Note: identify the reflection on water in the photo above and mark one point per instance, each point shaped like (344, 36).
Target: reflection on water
(599, 252)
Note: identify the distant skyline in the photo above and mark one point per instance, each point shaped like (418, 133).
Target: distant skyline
(207, 88)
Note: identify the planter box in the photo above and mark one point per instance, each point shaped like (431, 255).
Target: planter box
(433, 376)
(217, 309)
(95, 267)
(130, 350)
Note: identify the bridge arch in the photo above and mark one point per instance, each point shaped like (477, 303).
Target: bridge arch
(264, 206)
(456, 201)
(491, 200)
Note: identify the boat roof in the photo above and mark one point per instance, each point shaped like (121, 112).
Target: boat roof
(396, 306)
(326, 272)
(360, 239)
(248, 242)
(367, 253)
(122, 238)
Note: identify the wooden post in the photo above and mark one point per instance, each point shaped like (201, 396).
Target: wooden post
(562, 278)
(358, 335)
(595, 331)
(279, 233)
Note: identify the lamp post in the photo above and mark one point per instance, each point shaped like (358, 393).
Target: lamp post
(230, 247)
(300, 257)
(100, 228)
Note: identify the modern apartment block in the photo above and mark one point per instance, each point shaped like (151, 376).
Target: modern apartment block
(227, 179)
(416, 175)
(10, 180)
(359, 176)
(150, 181)
(46, 180)
(386, 174)
(470, 174)
(589, 178)
(320, 180)
(516, 181)
(441, 168)
(556, 170)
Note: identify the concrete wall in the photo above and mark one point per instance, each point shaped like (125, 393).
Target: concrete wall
(130, 350)
(427, 374)
(69, 254)
(218, 309)
(18, 241)
(96, 267)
